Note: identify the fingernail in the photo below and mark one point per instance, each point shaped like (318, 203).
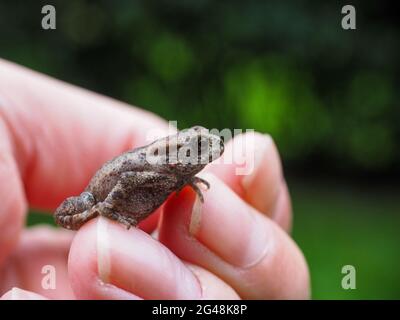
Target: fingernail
(135, 262)
(103, 250)
(261, 185)
(228, 226)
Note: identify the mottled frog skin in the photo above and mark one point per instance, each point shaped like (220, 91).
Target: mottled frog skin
(131, 186)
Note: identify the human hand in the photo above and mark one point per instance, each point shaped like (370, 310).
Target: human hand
(55, 136)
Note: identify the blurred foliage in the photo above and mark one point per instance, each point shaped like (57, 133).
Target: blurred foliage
(284, 68)
(329, 97)
(337, 225)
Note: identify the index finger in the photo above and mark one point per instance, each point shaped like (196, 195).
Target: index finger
(54, 136)
(61, 134)
(255, 174)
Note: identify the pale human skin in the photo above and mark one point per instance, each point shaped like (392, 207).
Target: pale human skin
(55, 136)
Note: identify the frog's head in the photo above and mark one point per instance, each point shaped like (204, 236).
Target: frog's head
(189, 151)
(198, 145)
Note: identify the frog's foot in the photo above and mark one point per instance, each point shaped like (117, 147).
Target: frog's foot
(128, 222)
(198, 180)
(108, 211)
(195, 182)
(75, 221)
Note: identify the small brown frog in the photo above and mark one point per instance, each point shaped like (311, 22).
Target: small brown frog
(131, 186)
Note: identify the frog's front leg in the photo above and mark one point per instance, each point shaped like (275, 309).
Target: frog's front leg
(195, 182)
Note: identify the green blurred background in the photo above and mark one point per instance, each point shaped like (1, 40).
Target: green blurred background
(329, 97)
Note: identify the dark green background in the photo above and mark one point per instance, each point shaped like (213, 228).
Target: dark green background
(329, 97)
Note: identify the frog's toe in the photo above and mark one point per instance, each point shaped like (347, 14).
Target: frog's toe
(198, 180)
(127, 221)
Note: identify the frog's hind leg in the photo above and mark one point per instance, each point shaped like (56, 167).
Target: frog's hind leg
(75, 221)
(117, 207)
(108, 209)
(111, 207)
(75, 211)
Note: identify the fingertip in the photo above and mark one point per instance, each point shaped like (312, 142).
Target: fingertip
(107, 260)
(241, 241)
(83, 267)
(19, 294)
(244, 248)
(251, 167)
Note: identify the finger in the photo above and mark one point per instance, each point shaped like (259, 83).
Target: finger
(13, 203)
(238, 244)
(251, 166)
(19, 294)
(39, 263)
(107, 261)
(54, 136)
(150, 223)
(212, 287)
(61, 134)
